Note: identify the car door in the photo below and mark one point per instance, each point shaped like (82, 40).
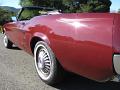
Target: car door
(23, 21)
(21, 34)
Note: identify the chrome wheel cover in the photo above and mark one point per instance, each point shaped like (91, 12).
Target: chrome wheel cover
(43, 62)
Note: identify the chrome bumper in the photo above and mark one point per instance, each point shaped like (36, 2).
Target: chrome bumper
(116, 63)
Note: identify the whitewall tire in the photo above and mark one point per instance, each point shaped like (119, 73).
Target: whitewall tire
(48, 68)
(7, 42)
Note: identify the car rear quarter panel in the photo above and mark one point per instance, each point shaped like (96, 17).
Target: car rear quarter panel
(94, 46)
(116, 34)
(81, 42)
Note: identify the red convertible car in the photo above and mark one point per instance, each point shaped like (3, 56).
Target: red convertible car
(87, 44)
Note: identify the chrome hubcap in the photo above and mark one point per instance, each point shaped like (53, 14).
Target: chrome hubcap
(44, 62)
(41, 63)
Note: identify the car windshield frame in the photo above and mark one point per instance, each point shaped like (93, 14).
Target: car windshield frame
(33, 8)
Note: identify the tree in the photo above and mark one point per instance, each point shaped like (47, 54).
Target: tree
(118, 10)
(26, 3)
(89, 5)
(72, 5)
(6, 16)
(43, 3)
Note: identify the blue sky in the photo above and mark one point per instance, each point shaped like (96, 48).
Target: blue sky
(15, 3)
(115, 5)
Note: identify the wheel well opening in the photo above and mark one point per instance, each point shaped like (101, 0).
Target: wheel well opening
(2, 30)
(33, 43)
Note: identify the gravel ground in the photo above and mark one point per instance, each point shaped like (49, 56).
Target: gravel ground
(17, 72)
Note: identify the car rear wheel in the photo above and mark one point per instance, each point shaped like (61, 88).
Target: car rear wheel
(7, 42)
(48, 68)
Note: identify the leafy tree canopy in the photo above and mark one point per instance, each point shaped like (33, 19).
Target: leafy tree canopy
(5, 16)
(72, 5)
(119, 11)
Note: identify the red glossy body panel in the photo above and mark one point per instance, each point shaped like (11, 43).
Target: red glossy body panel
(116, 34)
(81, 42)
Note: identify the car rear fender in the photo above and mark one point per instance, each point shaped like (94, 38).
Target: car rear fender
(42, 36)
(37, 37)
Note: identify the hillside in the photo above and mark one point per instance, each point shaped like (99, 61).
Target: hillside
(12, 9)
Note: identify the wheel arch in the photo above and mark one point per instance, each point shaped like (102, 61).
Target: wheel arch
(38, 37)
(3, 30)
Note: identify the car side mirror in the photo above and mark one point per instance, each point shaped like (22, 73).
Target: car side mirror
(14, 18)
